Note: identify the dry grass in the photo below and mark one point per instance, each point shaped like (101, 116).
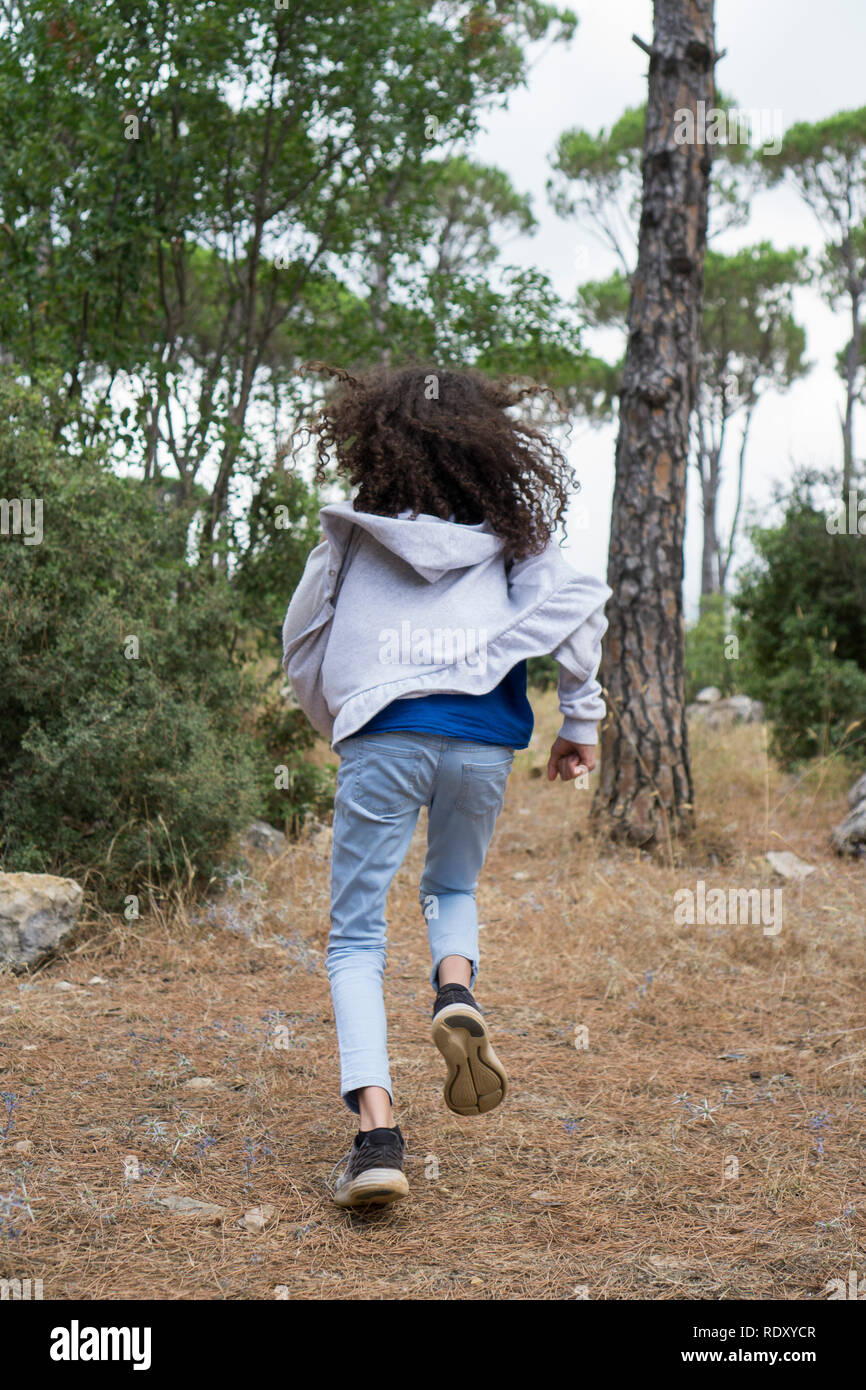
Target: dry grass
(591, 1175)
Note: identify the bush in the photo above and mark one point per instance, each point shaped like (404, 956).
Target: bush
(802, 623)
(819, 707)
(304, 789)
(122, 754)
(706, 641)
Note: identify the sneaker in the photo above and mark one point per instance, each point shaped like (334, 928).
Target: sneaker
(476, 1080)
(373, 1175)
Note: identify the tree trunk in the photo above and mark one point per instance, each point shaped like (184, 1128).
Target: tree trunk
(709, 540)
(645, 792)
(741, 468)
(379, 296)
(709, 468)
(852, 366)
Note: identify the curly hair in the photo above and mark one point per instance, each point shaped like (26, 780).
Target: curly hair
(439, 441)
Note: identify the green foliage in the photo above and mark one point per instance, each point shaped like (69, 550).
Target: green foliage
(749, 343)
(827, 156)
(522, 329)
(195, 200)
(174, 179)
(280, 528)
(304, 788)
(542, 672)
(129, 769)
(706, 645)
(818, 706)
(747, 326)
(605, 302)
(802, 624)
(826, 162)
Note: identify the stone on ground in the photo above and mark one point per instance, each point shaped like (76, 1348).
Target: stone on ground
(850, 837)
(37, 913)
(788, 864)
(264, 838)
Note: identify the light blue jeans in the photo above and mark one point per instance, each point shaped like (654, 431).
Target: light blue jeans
(383, 782)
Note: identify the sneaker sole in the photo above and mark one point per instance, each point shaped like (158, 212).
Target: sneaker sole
(374, 1188)
(476, 1081)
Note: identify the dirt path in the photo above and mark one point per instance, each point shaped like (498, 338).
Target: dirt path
(204, 1067)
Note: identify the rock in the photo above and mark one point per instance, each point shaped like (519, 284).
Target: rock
(322, 841)
(191, 1206)
(37, 913)
(709, 695)
(850, 836)
(265, 838)
(857, 792)
(256, 1220)
(22, 1146)
(721, 714)
(788, 864)
(750, 711)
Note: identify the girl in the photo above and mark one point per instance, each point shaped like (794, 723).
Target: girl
(406, 644)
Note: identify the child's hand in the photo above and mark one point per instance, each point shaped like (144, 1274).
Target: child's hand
(569, 759)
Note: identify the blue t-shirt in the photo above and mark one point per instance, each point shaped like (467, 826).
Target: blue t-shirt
(503, 715)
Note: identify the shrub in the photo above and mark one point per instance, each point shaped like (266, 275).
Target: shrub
(802, 623)
(122, 755)
(706, 662)
(304, 788)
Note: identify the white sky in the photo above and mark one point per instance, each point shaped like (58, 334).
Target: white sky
(802, 60)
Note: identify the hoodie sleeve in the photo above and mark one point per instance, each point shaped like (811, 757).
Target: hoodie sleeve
(580, 699)
(579, 656)
(305, 633)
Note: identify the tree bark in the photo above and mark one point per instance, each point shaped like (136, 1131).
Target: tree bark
(645, 792)
(711, 441)
(741, 468)
(852, 366)
(710, 579)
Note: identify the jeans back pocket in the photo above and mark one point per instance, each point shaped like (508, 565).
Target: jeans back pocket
(385, 779)
(482, 789)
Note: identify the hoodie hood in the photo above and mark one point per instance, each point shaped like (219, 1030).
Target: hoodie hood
(432, 547)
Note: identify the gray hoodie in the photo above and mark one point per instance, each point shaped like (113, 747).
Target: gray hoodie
(392, 608)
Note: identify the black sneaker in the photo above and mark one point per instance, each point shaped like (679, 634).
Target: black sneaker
(373, 1175)
(476, 1080)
